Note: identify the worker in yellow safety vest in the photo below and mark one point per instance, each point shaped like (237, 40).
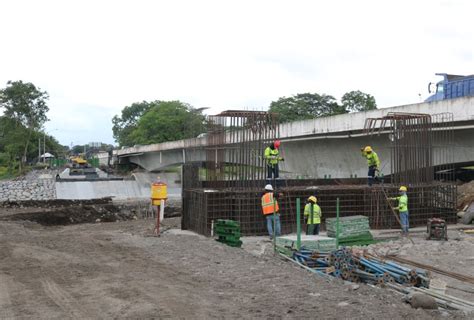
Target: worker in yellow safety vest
(272, 157)
(270, 211)
(373, 163)
(403, 209)
(312, 213)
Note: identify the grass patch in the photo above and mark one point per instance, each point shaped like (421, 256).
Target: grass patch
(4, 174)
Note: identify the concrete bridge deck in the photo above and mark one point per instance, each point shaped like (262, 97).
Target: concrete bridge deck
(326, 146)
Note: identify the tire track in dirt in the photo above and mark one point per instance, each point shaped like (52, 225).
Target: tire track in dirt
(5, 300)
(63, 299)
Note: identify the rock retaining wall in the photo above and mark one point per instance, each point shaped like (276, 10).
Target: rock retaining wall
(34, 186)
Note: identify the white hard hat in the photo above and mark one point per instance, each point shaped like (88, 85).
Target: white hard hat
(269, 187)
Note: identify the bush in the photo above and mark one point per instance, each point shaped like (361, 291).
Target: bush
(4, 159)
(4, 174)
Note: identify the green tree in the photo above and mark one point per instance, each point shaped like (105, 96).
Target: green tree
(355, 101)
(77, 149)
(26, 106)
(127, 122)
(10, 148)
(162, 121)
(306, 106)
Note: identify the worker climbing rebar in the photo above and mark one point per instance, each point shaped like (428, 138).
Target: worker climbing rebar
(373, 163)
(270, 211)
(272, 157)
(403, 209)
(312, 212)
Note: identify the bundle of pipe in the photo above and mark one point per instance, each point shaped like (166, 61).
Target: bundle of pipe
(351, 266)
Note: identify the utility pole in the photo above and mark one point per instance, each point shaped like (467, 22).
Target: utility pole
(44, 147)
(39, 149)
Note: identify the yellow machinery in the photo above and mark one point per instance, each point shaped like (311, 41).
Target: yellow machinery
(79, 161)
(159, 191)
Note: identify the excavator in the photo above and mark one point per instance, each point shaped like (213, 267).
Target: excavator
(79, 162)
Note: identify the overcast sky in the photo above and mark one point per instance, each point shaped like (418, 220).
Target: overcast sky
(96, 57)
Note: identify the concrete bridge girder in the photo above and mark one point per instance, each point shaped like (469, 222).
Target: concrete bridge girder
(317, 157)
(156, 161)
(325, 146)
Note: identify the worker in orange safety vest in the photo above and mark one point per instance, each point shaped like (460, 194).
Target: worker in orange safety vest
(270, 211)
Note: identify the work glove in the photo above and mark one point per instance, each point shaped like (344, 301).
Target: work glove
(281, 159)
(361, 149)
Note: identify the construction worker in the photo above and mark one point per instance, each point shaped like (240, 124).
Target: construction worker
(272, 157)
(403, 209)
(372, 161)
(312, 212)
(270, 211)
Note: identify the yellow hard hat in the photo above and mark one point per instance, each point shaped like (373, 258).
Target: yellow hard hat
(403, 188)
(368, 149)
(313, 199)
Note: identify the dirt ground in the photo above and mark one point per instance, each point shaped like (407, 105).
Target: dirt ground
(118, 270)
(455, 255)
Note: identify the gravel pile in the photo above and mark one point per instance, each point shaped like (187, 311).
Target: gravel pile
(465, 194)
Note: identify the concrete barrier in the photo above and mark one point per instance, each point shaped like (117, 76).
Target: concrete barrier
(120, 190)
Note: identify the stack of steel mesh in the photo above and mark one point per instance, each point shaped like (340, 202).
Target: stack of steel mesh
(354, 230)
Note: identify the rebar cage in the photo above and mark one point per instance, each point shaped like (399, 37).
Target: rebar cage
(202, 206)
(229, 185)
(236, 142)
(419, 143)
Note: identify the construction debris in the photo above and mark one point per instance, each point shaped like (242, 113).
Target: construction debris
(465, 195)
(421, 300)
(443, 300)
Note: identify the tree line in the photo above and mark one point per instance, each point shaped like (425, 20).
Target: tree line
(161, 121)
(25, 109)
